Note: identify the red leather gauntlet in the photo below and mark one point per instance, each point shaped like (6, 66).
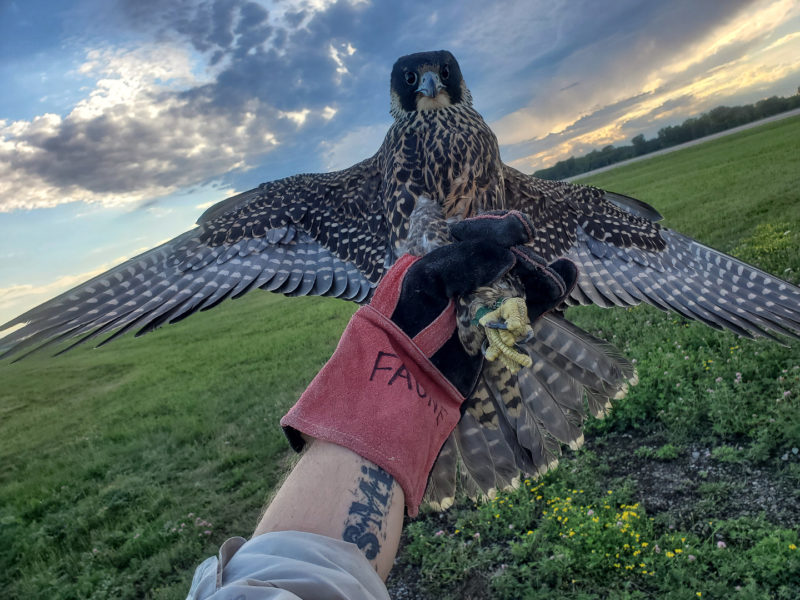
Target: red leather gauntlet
(380, 395)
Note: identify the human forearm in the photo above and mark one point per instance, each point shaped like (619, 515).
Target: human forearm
(333, 491)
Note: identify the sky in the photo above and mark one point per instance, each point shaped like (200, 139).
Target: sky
(122, 120)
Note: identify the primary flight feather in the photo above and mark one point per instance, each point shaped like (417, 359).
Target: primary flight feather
(335, 234)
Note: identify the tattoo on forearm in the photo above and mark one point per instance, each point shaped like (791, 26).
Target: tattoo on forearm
(366, 516)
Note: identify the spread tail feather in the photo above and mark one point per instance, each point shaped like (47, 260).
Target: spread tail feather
(516, 423)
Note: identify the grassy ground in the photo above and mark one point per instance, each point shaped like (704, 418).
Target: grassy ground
(718, 192)
(121, 468)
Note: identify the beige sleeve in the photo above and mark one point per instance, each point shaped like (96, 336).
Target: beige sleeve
(287, 565)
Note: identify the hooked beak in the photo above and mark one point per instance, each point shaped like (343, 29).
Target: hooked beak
(430, 84)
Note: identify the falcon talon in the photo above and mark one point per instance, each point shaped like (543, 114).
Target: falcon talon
(496, 325)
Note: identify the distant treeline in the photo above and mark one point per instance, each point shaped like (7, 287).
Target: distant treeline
(717, 119)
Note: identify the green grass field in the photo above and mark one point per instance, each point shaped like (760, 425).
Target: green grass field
(122, 467)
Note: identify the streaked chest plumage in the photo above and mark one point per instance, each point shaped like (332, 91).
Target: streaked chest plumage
(448, 156)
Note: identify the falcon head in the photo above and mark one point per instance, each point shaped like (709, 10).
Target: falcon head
(427, 81)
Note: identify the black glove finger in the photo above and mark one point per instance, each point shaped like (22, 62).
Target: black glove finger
(567, 270)
(507, 228)
(545, 288)
(447, 272)
(461, 268)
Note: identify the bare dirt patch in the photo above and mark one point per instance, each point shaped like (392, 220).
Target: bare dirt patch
(693, 487)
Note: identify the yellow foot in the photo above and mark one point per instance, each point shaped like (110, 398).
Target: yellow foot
(504, 326)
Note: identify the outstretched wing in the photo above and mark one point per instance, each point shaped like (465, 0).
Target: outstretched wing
(310, 234)
(625, 257)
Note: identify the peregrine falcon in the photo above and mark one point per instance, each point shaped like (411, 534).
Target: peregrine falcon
(335, 234)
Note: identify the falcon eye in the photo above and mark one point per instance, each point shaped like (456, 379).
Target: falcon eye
(411, 78)
(445, 72)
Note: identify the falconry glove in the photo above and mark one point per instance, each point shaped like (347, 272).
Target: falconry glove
(393, 389)
(546, 286)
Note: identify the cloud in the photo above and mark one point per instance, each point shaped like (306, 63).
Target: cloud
(220, 28)
(298, 116)
(220, 84)
(136, 136)
(654, 85)
(338, 55)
